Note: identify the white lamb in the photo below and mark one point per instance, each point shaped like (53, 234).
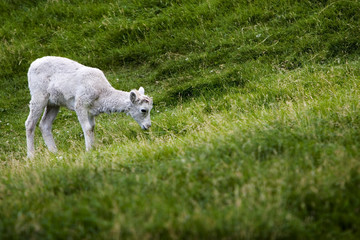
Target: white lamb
(57, 81)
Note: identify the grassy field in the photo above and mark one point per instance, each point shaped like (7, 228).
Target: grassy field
(256, 121)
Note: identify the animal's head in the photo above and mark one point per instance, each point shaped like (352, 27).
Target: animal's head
(141, 106)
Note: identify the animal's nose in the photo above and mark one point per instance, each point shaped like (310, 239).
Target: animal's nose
(146, 126)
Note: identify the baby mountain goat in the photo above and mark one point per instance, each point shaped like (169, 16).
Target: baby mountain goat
(57, 81)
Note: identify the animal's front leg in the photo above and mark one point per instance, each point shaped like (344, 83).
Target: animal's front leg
(90, 133)
(87, 124)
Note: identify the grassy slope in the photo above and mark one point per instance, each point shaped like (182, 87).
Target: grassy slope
(255, 126)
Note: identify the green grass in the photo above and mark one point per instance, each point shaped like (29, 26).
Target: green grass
(256, 121)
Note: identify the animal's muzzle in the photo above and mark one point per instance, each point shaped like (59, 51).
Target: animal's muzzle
(146, 126)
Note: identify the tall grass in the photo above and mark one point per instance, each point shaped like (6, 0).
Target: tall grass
(255, 124)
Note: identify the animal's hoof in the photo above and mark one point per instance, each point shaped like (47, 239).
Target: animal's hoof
(30, 155)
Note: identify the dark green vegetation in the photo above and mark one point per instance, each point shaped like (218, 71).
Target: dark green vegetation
(256, 123)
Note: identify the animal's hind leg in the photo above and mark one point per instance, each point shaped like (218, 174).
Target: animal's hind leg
(46, 126)
(36, 105)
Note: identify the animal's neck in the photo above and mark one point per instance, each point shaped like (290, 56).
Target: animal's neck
(113, 101)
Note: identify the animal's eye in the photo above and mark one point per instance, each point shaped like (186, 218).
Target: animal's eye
(143, 110)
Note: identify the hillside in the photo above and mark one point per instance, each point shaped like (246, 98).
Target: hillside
(256, 121)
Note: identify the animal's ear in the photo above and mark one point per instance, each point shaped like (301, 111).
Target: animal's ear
(133, 96)
(142, 90)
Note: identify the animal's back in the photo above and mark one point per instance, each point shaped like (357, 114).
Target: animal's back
(62, 79)
(44, 70)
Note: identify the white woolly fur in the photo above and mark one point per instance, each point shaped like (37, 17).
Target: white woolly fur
(56, 82)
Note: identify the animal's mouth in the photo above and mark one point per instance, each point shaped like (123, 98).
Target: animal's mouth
(143, 127)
